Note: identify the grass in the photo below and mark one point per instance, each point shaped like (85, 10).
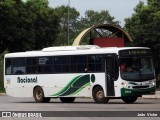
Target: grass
(2, 90)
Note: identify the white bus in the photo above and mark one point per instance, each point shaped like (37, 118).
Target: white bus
(80, 71)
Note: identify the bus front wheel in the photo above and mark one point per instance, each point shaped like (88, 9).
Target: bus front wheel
(38, 95)
(67, 99)
(98, 95)
(129, 99)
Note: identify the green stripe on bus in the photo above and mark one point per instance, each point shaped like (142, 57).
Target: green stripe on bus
(87, 84)
(66, 87)
(74, 86)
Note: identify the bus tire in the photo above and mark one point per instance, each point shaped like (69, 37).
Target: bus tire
(38, 95)
(67, 99)
(98, 95)
(129, 99)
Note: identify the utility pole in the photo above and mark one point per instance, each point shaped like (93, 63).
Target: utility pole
(68, 19)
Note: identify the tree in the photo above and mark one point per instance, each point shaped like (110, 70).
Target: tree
(77, 24)
(33, 25)
(62, 12)
(144, 27)
(27, 25)
(95, 18)
(44, 23)
(1, 71)
(7, 20)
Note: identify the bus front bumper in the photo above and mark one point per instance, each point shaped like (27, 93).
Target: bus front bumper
(137, 92)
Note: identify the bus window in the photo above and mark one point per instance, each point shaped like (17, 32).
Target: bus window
(78, 63)
(19, 66)
(61, 64)
(8, 66)
(137, 68)
(146, 65)
(32, 65)
(95, 63)
(45, 64)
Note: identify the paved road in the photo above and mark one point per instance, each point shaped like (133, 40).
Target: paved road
(28, 104)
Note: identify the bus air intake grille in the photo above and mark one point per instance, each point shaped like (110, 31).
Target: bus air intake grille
(139, 87)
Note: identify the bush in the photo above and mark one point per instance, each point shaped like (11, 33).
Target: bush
(158, 81)
(1, 72)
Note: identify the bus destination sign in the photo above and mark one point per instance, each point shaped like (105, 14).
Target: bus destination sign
(135, 52)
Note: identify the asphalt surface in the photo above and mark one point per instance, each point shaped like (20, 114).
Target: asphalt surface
(142, 105)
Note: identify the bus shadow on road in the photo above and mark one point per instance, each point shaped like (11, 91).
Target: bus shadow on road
(82, 102)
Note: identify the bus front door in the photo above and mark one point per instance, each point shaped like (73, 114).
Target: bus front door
(109, 74)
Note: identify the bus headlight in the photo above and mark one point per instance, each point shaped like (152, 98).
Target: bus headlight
(153, 83)
(124, 84)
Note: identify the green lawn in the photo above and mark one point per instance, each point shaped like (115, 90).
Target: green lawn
(2, 90)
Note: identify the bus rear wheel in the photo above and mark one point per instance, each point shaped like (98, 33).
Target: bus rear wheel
(38, 95)
(130, 99)
(98, 95)
(67, 99)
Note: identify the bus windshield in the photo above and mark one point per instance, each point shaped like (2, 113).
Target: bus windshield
(136, 68)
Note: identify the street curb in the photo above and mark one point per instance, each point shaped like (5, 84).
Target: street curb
(2, 94)
(156, 96)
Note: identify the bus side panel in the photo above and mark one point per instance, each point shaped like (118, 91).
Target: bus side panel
(117, 86)
(16, 88)
(74, 85)
(23, 92)
(9, 91)
(54, 85)
(9, 85)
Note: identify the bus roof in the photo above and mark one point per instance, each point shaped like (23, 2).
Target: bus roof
(71, 50)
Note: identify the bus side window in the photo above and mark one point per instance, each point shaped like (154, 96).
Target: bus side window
(95, 63)
(61, 64)
(19, 66)
(45, 65)
(8, 66)
(32, 65)
(78, 64)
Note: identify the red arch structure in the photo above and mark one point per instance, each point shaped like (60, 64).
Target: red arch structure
(104, 36)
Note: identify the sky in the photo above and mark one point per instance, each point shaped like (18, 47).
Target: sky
(120, 9)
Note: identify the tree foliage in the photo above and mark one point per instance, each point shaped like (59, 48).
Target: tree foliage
(144, 27)
(62, 12)
(96, 18)
(32, 25)
(26, 25)
(1, 70)
(77, 24)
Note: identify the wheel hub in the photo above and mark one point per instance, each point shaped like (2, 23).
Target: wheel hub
(100, 95)
(39, 94)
